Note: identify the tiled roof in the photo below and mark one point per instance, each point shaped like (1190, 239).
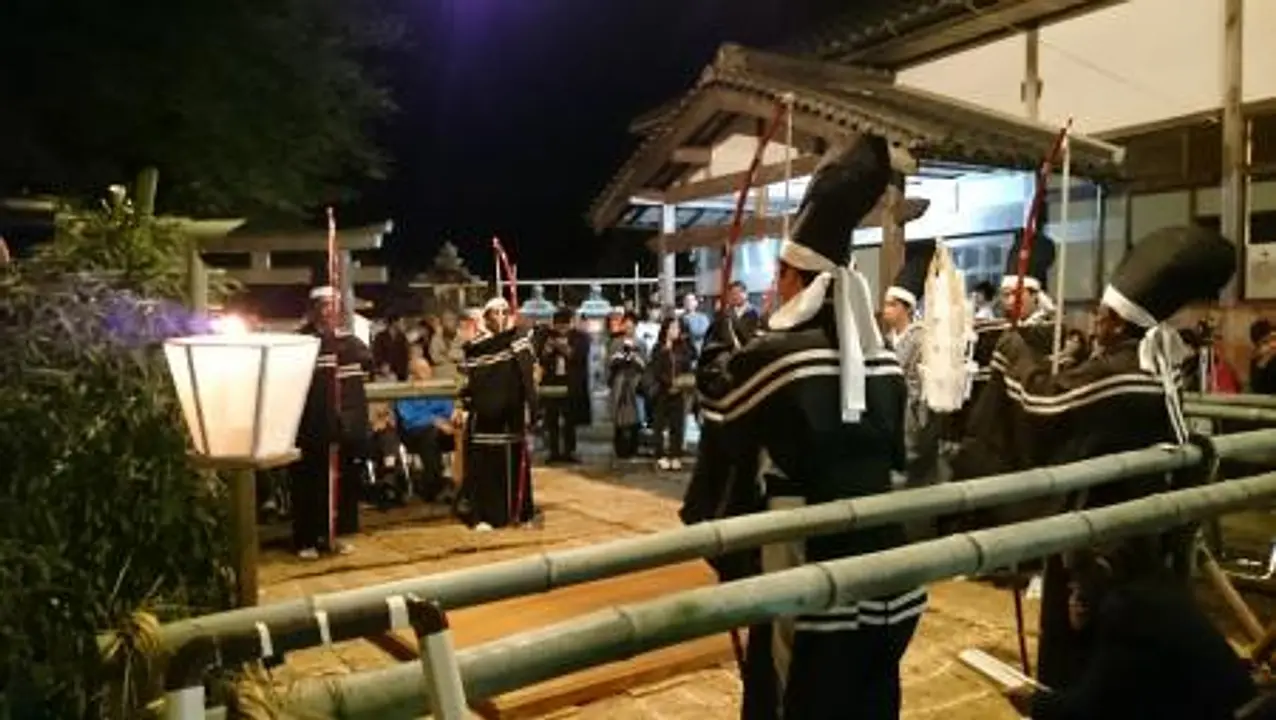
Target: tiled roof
(831, 101)
(901, 33)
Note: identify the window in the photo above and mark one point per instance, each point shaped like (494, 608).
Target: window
(982, 257)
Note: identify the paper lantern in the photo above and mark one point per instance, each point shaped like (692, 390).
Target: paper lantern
(242, 394)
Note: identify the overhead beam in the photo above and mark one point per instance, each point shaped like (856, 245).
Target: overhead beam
(731, 182)
(757, 228)
(361, 275)
(691, 155)
(368, 237)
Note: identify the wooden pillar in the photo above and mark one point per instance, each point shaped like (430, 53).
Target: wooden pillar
(668, 260)
(1101, 234)
(892, 254)
(1030, 88)
(1234, 216)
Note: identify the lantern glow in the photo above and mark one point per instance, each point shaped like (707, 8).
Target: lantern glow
(242, 394)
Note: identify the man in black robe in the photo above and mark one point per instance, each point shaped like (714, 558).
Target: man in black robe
(1035, 322)
(1152, 652)
(334, 414)
(1123, 398)
(811, 411)
(500, 395)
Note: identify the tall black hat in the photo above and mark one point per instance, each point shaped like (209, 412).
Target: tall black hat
(1039, 263)
(844, 189)
(1168, 269)
(910, 281)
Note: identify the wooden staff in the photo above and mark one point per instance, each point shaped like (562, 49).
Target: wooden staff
(1025, 253)
(737, 219)
(334, 395)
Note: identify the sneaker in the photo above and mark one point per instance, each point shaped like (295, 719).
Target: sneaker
(675, 464)
(308, 554)
(482, 527)
(344, 548)
(662, 464)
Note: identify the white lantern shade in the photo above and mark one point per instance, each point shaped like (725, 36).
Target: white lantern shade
(242, 395)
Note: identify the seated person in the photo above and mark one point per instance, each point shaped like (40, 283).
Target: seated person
(1152, 651)
(425, 425)
(387, 465)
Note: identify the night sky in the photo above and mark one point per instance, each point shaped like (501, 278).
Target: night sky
(513, 116)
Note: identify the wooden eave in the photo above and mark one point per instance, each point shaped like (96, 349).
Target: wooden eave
(758, 228)
(368, 237)
(833, 103)
(905, 33)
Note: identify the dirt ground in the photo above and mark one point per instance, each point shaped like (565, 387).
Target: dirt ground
(587, 506)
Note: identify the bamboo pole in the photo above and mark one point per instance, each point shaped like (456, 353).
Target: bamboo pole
(292, 623)
(1241, 400)
(618, 633)
(1230, 412)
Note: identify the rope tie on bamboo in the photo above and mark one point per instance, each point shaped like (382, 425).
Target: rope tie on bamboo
(252, 696)
(139, 635)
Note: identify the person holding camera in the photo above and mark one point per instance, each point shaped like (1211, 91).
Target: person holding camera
(561, 370)
(672, 356)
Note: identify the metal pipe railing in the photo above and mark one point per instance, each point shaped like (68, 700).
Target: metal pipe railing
(349, 614)
(621, 632)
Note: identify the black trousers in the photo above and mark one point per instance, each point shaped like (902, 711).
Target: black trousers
(839, 675)
(560, 431)
(670, 423)
(313, 498)
(625, 440)
(429, 443)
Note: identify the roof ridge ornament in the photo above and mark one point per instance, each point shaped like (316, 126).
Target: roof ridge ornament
(732, 57)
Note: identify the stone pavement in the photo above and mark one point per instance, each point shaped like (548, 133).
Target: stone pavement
(587, 506)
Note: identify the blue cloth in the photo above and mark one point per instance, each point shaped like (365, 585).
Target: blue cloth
(418, 413)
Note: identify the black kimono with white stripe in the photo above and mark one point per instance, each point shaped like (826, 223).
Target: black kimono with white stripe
(1028, 418)
(500, 394)
(773, 422)
(1038, 330)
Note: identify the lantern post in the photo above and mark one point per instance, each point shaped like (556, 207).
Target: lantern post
(242, 395)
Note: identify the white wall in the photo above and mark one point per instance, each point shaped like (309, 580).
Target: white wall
(1138, 62)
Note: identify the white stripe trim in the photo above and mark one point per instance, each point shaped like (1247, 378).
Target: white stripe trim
(779, 381)
(1102, 389)
(826, 627)
(769, 370)
(898, 617)
(896, 602)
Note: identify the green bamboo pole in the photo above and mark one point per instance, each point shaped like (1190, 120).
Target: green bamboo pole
(387, 391)
(618, 633)
(1220, 411)
(361, 612)
(1243, 399)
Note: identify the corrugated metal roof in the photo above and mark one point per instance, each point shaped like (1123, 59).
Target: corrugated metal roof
(831, 101)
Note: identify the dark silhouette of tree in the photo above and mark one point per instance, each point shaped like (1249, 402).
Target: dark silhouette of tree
(245, 106)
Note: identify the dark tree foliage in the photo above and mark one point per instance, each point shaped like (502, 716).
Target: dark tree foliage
(245, 106)
(104, 523)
